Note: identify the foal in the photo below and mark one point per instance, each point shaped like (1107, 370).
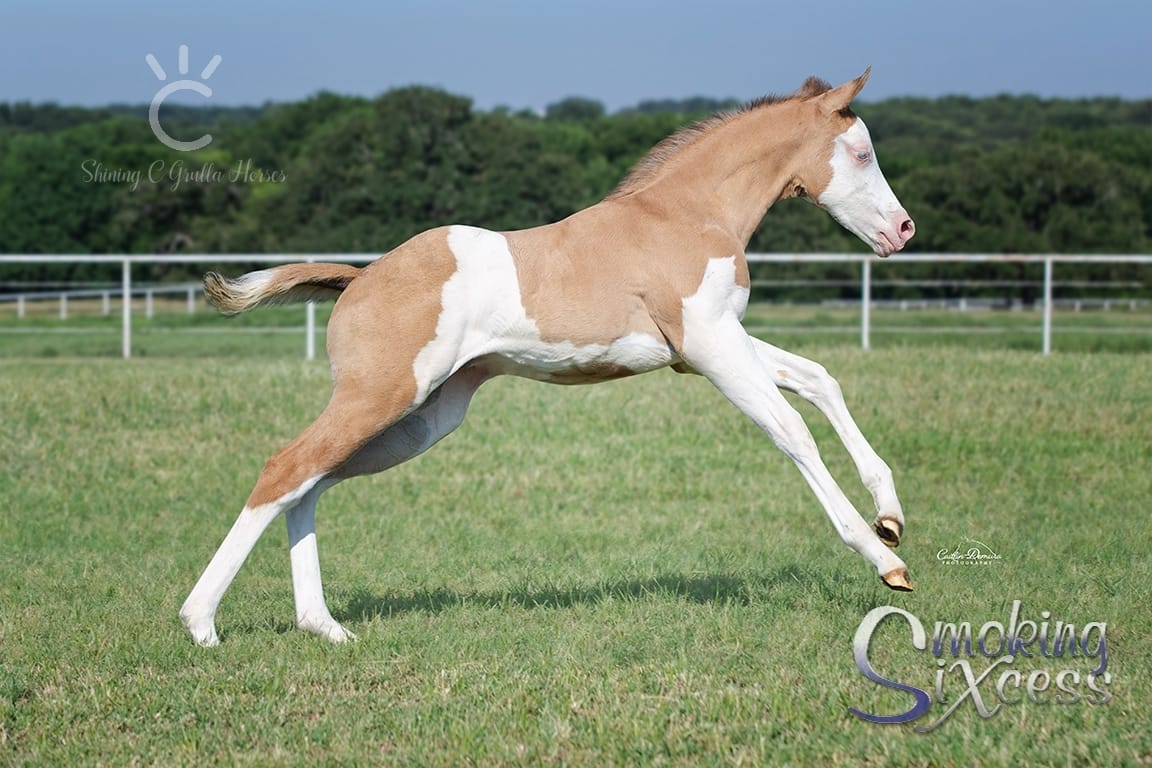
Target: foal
(652, 276)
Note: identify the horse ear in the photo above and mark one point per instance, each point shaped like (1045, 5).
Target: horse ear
(840, 98)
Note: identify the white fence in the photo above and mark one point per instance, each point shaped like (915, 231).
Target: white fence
(126, 263)
(865, 261)
(64, 296)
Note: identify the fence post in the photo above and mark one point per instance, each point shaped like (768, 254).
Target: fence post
(20, 306)
(148, 304)
(310, 330)
(63, 306)
(191, 301)
(105, 303)
(866, 304)
(1047, 334)
(126, 295)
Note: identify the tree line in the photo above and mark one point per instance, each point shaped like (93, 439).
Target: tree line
(343, 174)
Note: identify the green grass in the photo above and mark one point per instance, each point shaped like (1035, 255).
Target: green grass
(614, 575)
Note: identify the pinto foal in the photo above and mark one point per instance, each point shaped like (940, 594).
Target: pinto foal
(652, 276)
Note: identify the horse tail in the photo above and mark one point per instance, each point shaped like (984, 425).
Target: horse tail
(279, 285)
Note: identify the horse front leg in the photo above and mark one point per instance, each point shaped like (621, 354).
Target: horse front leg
(718, 347)
(811, 381)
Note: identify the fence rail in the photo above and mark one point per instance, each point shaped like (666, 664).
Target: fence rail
(866, 262)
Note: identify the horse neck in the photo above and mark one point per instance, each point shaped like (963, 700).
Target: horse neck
(729, 177)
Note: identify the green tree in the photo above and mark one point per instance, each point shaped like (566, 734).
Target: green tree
(1032, 198)
(575, 108)
(1006, 174)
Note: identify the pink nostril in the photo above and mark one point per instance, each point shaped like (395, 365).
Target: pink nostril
(907, 229)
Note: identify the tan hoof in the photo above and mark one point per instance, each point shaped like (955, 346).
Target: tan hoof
(889, 531)
(898, 579)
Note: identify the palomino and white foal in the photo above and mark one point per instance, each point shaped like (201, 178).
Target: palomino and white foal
(652, 276)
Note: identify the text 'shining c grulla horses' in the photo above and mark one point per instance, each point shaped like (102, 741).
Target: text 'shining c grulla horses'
(652, 276)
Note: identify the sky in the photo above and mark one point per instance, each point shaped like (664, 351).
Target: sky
(526, 55)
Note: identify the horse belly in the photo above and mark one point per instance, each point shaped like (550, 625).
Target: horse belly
(567, 363)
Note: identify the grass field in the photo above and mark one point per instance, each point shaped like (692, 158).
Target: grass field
(627, 574)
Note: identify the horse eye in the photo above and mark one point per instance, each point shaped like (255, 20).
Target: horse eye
(863, 156)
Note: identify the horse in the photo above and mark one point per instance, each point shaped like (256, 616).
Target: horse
(652, 276)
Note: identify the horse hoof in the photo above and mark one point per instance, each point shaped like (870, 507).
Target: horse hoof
(898, 580)
(328, 628)
(889, 531)
(203, 632)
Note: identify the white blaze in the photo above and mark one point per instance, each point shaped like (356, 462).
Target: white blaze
(858, 195)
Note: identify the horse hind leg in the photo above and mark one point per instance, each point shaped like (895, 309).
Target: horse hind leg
(440, 414)
(337, 446)
(292, 478)
(312, 614)
(199, 611)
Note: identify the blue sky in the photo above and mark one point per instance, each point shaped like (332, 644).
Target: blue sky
(527, 54)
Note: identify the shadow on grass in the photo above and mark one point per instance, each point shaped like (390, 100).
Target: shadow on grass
(719, 588)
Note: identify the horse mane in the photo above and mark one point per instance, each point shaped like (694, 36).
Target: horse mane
(649, 165)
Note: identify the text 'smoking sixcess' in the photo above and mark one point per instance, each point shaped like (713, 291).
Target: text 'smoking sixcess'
(955, 646)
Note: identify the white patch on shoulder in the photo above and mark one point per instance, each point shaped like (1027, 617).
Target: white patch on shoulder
(718, 297)
(482, 315)
(719, 292)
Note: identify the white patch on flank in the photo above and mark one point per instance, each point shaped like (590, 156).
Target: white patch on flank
(858, 195)
(482, 314)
